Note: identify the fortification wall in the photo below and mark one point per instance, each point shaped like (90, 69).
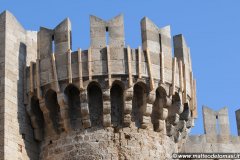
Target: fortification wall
(109, 101)
(17, 48)
(211, 144)
(217, 137)
(111, 89)
(100, 143)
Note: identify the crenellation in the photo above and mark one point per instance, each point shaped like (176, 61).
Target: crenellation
(216, 138)
(104, 102)
(224, 126)
(181, 50)
(99, 28)
(158, 40)
(62, 37)
(97, 32)
(209, 117)
(31, 45)
(115, 27)
(150, 35)
(165, 39)
(44, 42)
(166, 47)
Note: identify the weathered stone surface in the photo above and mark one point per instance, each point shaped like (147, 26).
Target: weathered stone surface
(18, 48)
(106, 102)
(128, 143)
(217, 137)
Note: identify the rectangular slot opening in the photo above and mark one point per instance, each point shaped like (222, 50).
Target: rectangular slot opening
(107, 36)
(53, 45)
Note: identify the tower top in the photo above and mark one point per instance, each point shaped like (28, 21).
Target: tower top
(216, 122)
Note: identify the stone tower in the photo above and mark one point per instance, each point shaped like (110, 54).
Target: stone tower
(107, 102)
(17, 48)
(217, 137)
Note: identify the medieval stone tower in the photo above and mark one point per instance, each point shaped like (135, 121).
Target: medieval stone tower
(109, 101)
(217, 137)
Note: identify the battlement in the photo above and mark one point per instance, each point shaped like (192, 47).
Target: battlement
(110, 85)
(217, 137)
(216, 122)
(109, 101)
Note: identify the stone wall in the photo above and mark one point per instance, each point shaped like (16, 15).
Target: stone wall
(217, 137)
(17, 131)
(108, 89)
(107, 143)
(107, 102)
(2, 81)
(211, 144)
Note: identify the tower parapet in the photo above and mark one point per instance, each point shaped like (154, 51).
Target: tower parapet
(111, 90)
(217, 137)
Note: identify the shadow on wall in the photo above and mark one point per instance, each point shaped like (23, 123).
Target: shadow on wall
(117, 104)
(23, 119)
(139, 103)
(73, 98)
(95, 104)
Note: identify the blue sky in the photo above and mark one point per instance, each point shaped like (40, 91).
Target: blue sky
(211, 29)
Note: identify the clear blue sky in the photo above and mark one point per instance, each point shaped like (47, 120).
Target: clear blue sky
(211, 28)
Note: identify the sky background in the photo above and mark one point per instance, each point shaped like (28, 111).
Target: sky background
(210, 27)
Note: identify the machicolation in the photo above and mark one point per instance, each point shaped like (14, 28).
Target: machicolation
(109, 101)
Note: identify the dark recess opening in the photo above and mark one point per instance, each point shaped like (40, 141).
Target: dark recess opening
(107, 36)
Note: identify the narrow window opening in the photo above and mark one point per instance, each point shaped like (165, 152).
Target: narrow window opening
(160, 42)
(53, 45)
(107, 36)
(217, 125)
(23, 136)
(71, 40)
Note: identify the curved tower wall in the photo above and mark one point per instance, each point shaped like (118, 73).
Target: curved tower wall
(109, 101)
